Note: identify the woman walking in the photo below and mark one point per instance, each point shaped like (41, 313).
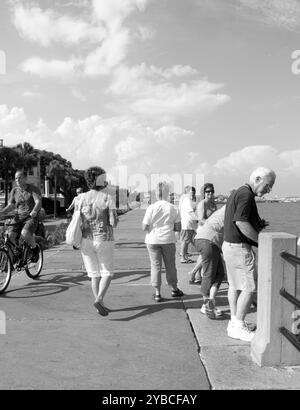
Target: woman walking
(99, 217)
(160, 221)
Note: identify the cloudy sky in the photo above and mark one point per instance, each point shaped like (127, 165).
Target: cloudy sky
(158, 86)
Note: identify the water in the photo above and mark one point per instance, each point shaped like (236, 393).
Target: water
(283, 216)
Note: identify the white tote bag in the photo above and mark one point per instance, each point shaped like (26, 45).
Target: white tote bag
(73, 232)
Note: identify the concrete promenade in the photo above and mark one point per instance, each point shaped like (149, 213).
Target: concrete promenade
(55, 339)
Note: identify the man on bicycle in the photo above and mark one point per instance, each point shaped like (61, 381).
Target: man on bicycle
(26, 199)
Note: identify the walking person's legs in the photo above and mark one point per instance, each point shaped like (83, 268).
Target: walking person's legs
(183, 248)
(93, 268)
(155, 256)
(209, 255)
(105, 258)
(195, 273)
(168, 254)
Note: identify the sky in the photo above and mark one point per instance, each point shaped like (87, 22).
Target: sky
(205, 90)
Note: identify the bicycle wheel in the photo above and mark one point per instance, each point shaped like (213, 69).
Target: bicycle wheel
(5, 270)
(34, 263)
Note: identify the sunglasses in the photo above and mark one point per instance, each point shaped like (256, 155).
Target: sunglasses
(209, 192)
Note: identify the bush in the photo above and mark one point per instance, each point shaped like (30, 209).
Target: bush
(55, 237)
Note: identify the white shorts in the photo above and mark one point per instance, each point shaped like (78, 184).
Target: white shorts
(98, 258)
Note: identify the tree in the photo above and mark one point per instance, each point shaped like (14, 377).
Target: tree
(28, 156)
(57, 173)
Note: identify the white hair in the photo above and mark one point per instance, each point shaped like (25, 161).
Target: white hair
(262, 172)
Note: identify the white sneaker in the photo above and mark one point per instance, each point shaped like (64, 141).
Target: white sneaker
(203, 310)
(240, 332)
(230, 325)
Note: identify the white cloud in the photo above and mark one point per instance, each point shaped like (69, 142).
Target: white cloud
(103, 29)
(291, 161)
(285, 14)
(112, 51)
(111, 142)
(114, 12)
(46, 27)
(64, 70)
(123, 141)
(243, 161)
(145, 33)
(31, 94)
(152, 91)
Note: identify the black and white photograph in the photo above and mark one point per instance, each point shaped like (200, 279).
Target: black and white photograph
(149, 198)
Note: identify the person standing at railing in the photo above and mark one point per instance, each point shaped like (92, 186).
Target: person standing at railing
(26, 200)
(242, 225)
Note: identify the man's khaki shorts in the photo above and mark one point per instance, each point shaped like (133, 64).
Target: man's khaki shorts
(241, 266)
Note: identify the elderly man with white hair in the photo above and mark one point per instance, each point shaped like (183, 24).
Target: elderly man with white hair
(242, 225)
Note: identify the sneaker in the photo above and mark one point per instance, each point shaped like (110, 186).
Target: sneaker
(203, 310)
(218, 312)
(240, 332)
(208, 309)
(250, 326)
(157, 298)
(177, 293)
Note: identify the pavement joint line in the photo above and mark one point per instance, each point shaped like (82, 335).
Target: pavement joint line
(199, 347)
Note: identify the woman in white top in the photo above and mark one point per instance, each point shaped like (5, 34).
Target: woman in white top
(99, 217)
(160, 220)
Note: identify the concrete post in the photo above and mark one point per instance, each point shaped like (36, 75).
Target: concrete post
(269, 347)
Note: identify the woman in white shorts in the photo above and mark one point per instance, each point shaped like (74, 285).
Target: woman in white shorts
(99, 217)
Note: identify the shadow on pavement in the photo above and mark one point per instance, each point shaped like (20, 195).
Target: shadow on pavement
(130, 245)
(148, 309)
(123, 274)
(45, 287)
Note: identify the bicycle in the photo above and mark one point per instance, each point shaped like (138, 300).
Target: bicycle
(14, 257)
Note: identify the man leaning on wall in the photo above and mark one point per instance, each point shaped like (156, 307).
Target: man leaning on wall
(242, 225)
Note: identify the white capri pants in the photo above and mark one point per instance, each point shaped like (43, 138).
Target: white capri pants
(98, 258)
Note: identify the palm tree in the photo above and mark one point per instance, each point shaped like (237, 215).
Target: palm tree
(28, 155)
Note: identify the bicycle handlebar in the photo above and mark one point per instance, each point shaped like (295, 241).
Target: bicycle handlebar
(17, 222)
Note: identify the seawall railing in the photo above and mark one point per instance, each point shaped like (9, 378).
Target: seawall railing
(277, 338)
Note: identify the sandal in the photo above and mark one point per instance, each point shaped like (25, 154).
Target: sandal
(157, 298)
(187, 261)
(101, 309)
(177, 293)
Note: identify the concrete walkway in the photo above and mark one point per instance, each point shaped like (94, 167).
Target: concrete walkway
(55, 339)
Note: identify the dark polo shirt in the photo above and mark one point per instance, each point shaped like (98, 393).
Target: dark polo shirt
(240, 206)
